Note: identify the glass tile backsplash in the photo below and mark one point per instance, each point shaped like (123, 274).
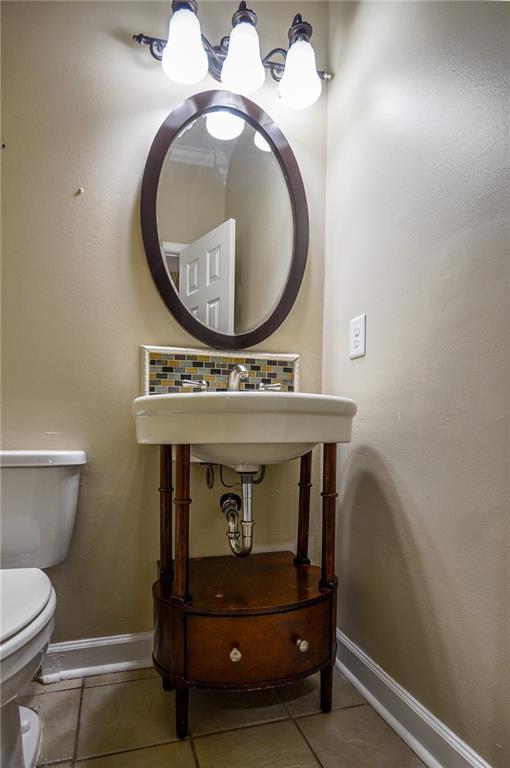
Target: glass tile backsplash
(165, 369)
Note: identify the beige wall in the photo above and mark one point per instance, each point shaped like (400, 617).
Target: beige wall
(417, 236)
(81, 105)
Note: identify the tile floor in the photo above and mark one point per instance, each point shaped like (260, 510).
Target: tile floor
(126, 720)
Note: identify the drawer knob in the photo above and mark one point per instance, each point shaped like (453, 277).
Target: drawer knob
(235, 655)
(303, 645)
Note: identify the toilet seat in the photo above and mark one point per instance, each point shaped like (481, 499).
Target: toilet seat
(28, 603)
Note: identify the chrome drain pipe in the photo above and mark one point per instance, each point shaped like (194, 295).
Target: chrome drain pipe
(240, 531)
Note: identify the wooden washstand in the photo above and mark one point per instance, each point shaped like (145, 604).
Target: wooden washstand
(243, 623)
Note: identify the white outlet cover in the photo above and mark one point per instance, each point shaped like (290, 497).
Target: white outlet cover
(357, 337)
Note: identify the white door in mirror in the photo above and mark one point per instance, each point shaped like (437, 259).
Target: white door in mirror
(207, 277)
(357, 337)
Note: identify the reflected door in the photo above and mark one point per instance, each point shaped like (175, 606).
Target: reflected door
(207, 277)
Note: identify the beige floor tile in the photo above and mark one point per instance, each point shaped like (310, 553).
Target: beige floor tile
(174, 755)
(212, 711)
(125, 716)
(35, 688)
(120, 677)
(277, 745)
(303, 697)
(59, 718)
(356, 738)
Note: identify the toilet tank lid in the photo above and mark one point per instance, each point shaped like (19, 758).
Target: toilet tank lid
(41, 458)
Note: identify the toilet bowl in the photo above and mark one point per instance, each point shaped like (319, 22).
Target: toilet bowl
(28, 605)
(39, 494)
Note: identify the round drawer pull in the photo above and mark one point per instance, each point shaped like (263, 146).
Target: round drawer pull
(303, 645)
(235, 655)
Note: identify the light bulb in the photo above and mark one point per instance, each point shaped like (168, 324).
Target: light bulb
(224, 125)
(243, 71)
(300, 85)
(261, 143)
(184, 58)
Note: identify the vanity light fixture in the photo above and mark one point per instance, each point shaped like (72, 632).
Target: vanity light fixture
(188, 55)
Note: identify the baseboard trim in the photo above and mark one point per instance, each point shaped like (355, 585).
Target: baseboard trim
(431, 739)
(96, 656)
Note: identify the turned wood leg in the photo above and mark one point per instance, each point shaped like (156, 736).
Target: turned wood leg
(181, 712)
(329, 496)
(165, 511)
(305, 485)
(327, 688)
(182, 504)
(328, 577)
(181, 594)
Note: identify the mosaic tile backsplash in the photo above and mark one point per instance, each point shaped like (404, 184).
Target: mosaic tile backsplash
(167, 368)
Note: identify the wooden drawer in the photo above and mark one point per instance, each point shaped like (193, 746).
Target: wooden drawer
(267, 643)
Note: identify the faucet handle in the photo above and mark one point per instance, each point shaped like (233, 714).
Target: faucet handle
(276, 387)
(201, 385)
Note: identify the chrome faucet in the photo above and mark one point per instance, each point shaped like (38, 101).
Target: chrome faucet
(237, 374)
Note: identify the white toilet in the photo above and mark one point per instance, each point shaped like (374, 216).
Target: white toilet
(39, 494)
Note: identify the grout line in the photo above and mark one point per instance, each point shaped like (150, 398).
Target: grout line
(125, 751)
(24, 695)
(241, 727)
(333, 709)
(283, 703)
(117, 682)
(194, 750)
(314, 753)
(78, 723)
(294, 720)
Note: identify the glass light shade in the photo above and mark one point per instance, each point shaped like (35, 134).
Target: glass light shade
(300, 85)
(260, 142)
(184, 58)
(243, 71)
(224, 125)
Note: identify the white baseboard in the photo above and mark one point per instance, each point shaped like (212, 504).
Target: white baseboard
(432, 740)
(96, 656)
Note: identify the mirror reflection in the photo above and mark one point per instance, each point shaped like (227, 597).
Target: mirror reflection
(225, 222)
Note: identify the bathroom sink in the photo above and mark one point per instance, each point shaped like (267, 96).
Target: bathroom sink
(242, 429)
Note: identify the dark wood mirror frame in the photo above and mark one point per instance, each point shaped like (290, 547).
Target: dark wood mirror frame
(184, 113)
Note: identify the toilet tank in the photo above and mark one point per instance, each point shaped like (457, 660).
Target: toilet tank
(39, 495)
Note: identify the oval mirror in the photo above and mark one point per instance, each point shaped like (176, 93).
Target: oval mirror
(224, 220)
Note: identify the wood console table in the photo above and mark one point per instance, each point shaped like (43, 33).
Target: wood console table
(243, 623)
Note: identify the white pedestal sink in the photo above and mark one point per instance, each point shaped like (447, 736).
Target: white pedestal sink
(243, 429)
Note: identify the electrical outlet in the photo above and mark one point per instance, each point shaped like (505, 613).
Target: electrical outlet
(357, 338)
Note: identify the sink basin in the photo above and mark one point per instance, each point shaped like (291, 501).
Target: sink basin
(244, 429)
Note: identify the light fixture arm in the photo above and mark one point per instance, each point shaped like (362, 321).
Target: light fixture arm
(217, 54)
